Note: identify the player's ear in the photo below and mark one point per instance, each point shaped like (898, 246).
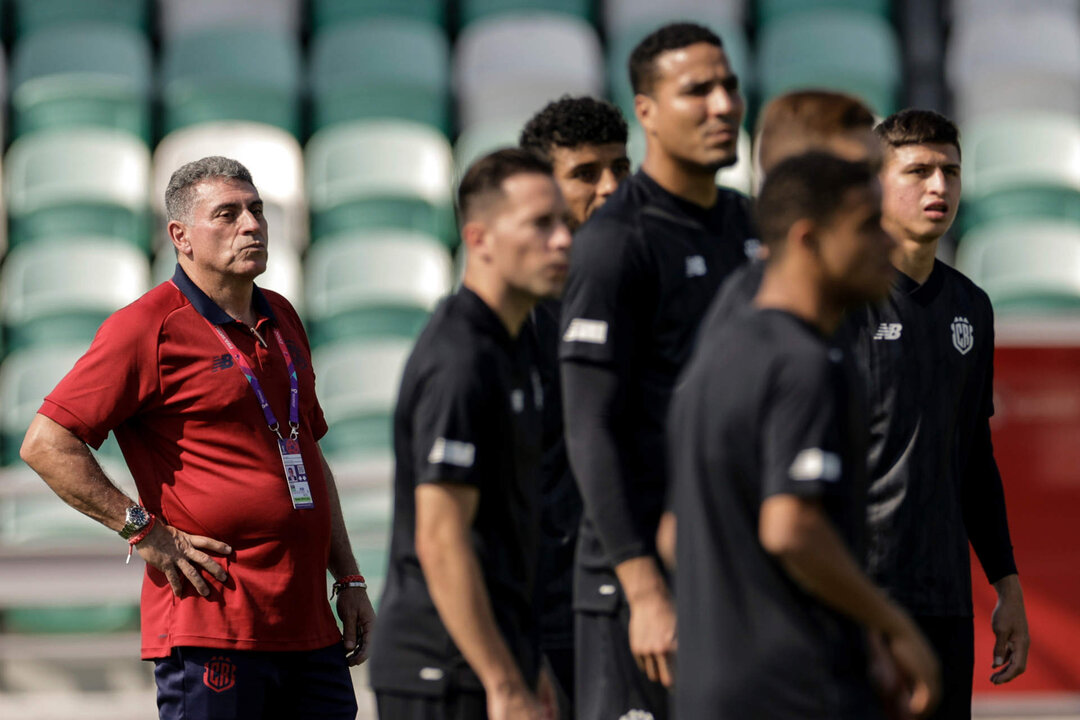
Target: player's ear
(804, 234)
(474, 236)
(645, 109)
(179, 237)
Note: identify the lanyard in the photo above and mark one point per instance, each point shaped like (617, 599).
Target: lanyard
(245, 367)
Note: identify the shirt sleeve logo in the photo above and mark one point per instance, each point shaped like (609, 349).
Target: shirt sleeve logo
(889, 331)
(963, 335)
(586, 331)
(221, 362)
(452, 452)
(815, 464)
(695, 266)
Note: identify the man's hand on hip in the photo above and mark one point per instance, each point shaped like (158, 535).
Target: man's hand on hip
(357, 622)
(179, 556)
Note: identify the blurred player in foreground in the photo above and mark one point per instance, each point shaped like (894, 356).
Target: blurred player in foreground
(584, 139)
(768, 455)
(646, 265)
(459, 637)
(928, 352)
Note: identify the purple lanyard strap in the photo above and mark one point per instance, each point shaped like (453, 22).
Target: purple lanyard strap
(294, 384)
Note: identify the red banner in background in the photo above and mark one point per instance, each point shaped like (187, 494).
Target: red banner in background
(1036, 432)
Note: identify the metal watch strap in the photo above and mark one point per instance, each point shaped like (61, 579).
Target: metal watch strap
(135, 519)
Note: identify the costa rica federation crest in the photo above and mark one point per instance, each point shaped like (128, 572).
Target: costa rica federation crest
(963, 335)
(219, 674)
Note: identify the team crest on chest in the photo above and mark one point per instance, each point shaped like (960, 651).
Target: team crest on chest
(963, 334)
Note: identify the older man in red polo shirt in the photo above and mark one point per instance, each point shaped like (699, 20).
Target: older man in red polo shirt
(206, 381)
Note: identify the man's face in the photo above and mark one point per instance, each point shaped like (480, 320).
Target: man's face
(527, 238)
(587, 175)
(855, 250)
(227, 233)
(694, 111)
(921, 185)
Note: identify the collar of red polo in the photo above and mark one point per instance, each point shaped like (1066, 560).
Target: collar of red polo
(208, 308)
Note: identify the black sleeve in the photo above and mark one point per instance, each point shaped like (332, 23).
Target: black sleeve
(983, 497)
(801, 452)
(598, 336)
(449, 439)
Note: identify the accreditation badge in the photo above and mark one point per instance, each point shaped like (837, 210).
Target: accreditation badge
(295, 474)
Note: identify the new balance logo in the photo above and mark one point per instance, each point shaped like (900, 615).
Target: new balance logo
(695, 266)
(889, 331)
(222, 362)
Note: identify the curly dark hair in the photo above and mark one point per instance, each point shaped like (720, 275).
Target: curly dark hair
(675, 36)
(571, 122)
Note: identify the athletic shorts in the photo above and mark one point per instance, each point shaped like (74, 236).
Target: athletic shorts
(609, 685)
(196, 683)
(453, 706)
(953, 639)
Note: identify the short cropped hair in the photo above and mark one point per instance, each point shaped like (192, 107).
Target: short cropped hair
(180, 194)
(571, 122)
(484, 178)
(918, 127)
(805, 120)
(675, 36)
(809, 186)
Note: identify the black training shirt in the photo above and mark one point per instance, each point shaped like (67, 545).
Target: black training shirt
(766, 407)
(644, 269)
(469, 412)
(928, 351)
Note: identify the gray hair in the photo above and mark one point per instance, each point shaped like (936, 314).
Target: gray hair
(180, 194)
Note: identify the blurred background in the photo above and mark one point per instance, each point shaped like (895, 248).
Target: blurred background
(355, 117)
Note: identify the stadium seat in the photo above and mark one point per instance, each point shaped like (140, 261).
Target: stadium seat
(1026, 266)
(78, 182)
(736, 47)
(329, 14)
(471, 11)
(852, 52)
(232, 74)
(273, 156)
(59, 290)
(357, 384)
(82, 75)
(629, 16)
(75, 619)
(182, 17)
(481, 139)
(384, 67)
(380, 174)
(739, 176)
(374, 284)
(34, 15)
(769, 11)
(508, 66)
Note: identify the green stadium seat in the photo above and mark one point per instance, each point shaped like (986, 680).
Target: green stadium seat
(853, 52)
(182, 17)
(329, 14)
(82, 75)
(1025, 266)
(357, 383)
(34, 15)
(770, 11)
(623, 16)
(73, 619)
(471, 11)
(374, 284)
(385, 67)
(60, 290)
(736, 47)
(78, 182)
(232, 74)
(481, 139)
(380, 174)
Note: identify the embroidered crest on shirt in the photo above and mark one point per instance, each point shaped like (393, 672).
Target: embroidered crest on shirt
(889, 331)
(963, 335)
(219, 674)
(695, 266)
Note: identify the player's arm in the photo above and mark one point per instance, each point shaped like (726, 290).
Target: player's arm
(444, 516)
(353, 604)
(67, 466)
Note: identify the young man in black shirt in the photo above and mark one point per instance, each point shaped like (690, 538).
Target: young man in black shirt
(645, 268)
(928, 353)
(460, 638)
(584, 139)
(768, 465)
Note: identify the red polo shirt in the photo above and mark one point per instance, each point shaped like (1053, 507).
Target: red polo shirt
(204, 460)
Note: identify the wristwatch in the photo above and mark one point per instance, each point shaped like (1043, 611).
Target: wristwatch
(135, 519)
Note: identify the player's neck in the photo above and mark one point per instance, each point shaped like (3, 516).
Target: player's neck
(915, 258)
(692, 184)
(511, 307)
(792, 290)
(231, 293)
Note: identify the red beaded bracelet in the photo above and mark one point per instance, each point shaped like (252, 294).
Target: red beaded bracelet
(348, 581)
(140, 536)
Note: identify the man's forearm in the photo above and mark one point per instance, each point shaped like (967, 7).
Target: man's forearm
(67, 466)
(342, 561)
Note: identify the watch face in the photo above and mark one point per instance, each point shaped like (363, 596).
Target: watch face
(135, 519)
